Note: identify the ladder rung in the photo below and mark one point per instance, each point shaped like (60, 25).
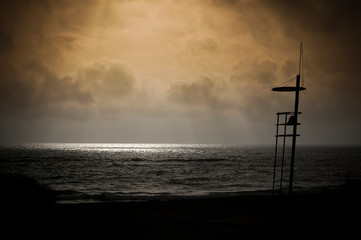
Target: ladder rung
(283, 113)
(285, 124)
(286, 135)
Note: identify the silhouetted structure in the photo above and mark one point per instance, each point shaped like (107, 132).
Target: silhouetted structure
(293, 121)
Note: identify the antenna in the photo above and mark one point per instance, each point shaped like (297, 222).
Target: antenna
(301, 59)
(300, 67)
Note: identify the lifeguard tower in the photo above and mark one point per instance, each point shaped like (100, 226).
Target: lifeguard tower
(284, 121)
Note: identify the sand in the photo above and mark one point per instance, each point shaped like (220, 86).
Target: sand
(30, 210)
(331, 214)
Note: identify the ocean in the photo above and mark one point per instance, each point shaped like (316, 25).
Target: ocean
(136, 172)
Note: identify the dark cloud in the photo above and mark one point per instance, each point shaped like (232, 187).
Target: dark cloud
(247, 92)
(201, 93)
(108, 79)
(34, 89)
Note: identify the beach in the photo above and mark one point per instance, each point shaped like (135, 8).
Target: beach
(127, 191)
(330, 214)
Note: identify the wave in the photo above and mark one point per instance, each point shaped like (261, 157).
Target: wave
(73, 197)
(69, 196)
(139, 159)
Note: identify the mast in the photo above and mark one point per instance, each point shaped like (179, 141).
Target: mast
(298, 78)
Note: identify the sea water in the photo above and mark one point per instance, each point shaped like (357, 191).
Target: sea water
(127, 172)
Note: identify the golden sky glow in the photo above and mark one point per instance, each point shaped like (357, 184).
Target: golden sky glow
(176, 71)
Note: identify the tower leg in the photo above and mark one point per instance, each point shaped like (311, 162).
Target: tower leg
(275, 162)
(283, 153)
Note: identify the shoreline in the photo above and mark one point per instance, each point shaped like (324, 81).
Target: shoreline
(82, 198)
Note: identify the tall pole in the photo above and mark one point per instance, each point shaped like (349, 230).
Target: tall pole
(294, 135)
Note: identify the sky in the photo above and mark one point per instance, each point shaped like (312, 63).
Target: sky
(171, 71)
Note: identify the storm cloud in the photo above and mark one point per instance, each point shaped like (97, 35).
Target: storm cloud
(35, 91)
